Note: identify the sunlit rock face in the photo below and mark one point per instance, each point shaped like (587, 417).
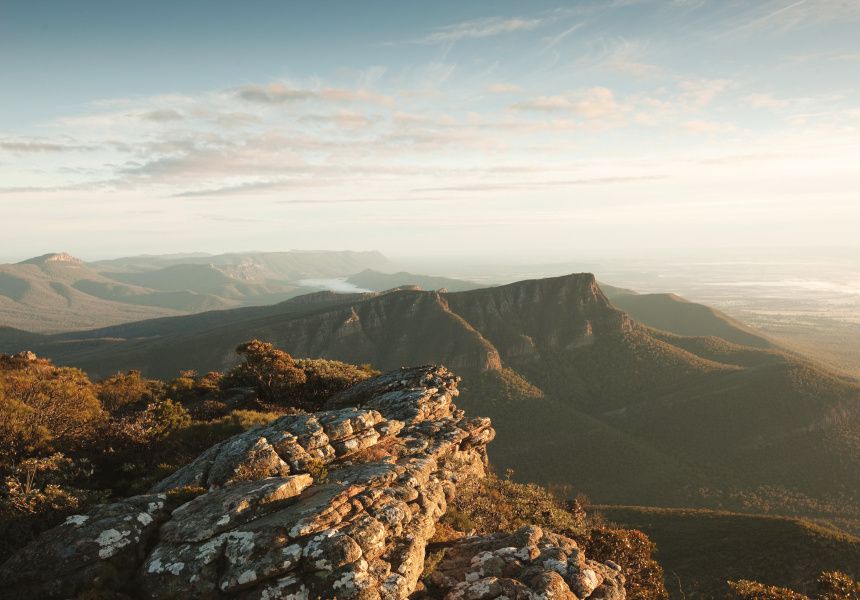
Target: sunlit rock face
(336, 504)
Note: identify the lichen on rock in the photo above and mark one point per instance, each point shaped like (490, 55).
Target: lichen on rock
(394, 449)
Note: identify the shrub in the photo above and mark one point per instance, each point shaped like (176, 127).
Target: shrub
(271, 372)
(325, 378)
(634, 551)
(752, 590)
(125, 390)
(37, 494)
(493, 504)
(833, 585)
(190, 387)
(43, 409)
(164, 417)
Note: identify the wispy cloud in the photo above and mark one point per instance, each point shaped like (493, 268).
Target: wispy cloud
(163, 115)
(701, 92)
(793, 14)
(593, 103)
(37, 145)
(534, 185)
(554, 40)
(503, 88)
(765, 100)
(628, 57)
(479, 28)
(281, 93)
(709, 127)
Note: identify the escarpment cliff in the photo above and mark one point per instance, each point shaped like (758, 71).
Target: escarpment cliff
(339, 503)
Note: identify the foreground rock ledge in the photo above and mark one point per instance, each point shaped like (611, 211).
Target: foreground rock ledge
(390, 452)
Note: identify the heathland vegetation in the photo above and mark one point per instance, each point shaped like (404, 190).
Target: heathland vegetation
(69, 443)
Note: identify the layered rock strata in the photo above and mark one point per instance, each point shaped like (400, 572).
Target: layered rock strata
(336, 504)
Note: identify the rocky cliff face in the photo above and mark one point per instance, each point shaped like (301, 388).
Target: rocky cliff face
(556, 313)
(335, 504)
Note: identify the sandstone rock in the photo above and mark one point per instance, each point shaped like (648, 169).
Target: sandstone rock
(527, 564)
(390, 452)
(100, 549)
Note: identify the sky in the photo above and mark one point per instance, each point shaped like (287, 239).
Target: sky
(536, 130)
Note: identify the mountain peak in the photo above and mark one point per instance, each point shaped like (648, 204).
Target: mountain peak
(53, 258)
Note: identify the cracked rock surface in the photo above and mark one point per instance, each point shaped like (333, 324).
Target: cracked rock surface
(525, 565)
(388, 454)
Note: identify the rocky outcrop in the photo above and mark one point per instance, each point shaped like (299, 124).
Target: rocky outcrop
(336, 504)
(527, 564)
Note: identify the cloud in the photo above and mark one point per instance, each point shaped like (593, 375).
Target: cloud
(626, 58)
(274, 93)
(280, 93)
(545, 103)
(345, 119)
(765, 101)
(593, 103)
(163, 115)
(246, 187)
(701, 92)
(554, 40)
(534, 185)
(794, 14)
(710, 127)
(479, 28)
(503, 88)
(236, 119)
(36, 145)
(597, 102)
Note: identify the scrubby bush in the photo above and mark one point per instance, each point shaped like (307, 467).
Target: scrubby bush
(44, 409)
(38, 493)
(495, 504)
(127, 390)
(634, 551)
(752, 590)
(499, 504)
(271, 372)
(832, 585)
(190, 386)
(283, 381)
(325, 378)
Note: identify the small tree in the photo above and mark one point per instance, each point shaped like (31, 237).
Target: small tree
(272, 372)
(45, 408)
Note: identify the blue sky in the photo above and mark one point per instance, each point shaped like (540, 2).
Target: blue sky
(456, 128)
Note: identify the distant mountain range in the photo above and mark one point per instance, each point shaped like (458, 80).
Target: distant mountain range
(579, 391)
(58, 292)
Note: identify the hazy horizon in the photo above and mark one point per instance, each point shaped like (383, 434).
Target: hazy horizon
(463, 129)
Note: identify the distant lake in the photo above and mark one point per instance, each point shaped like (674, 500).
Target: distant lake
(333, 284)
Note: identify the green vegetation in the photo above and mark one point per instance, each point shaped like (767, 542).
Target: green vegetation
(830, 586)
(495, 504)
(701, 549)
(670, 417)
(67, 442)
(576, 390)
(279, 379)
